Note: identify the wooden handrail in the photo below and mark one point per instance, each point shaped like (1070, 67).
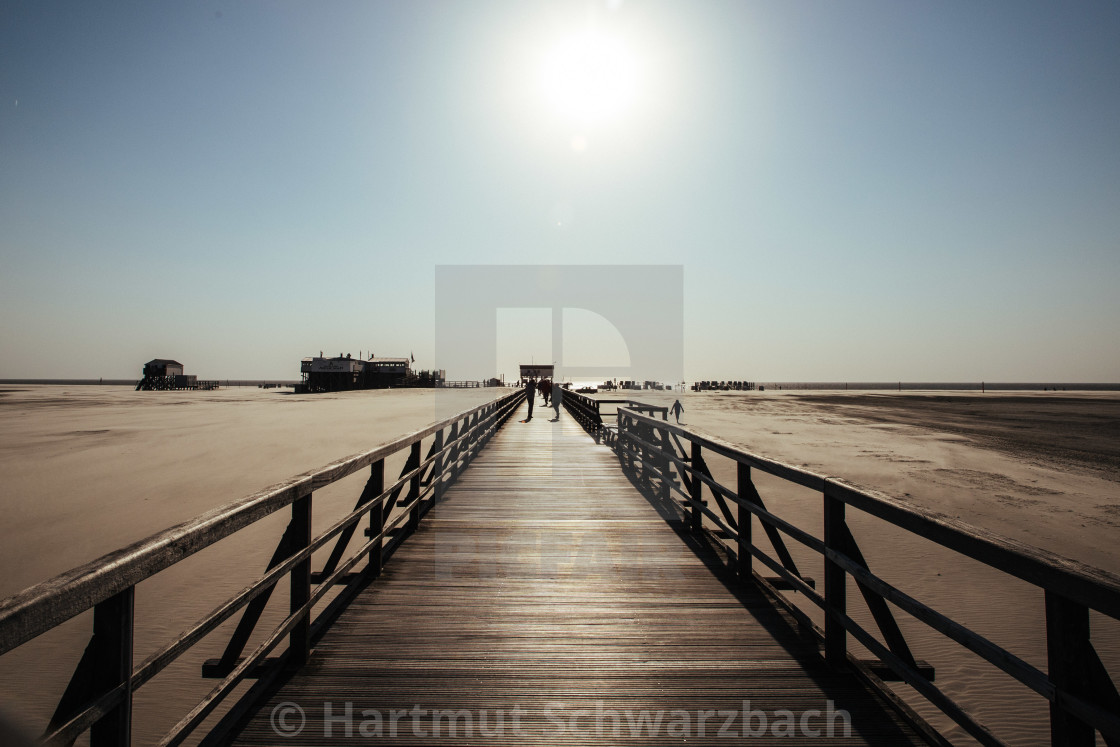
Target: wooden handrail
(585, 410)
(1071, 588)
(1093, 587)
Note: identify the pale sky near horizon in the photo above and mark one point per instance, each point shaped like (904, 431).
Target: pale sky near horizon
(918, 191)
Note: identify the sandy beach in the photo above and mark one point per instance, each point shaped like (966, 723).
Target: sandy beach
(1040, 468)
(1044, 469)
(89, 469)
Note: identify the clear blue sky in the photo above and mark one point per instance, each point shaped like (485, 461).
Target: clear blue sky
(856, 190)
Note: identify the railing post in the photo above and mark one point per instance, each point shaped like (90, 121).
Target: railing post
(465, 444)
(631, 446)
(414, 489)
(663, 463)
(376, 486)
(631, 461)
(835, 583)
(299, 640)
(697, 491)
(437, 468)
(638, 430)
(472, 438)
(620, 447)
(642, 432)
(112, 633)
(1067, 658)
(451, 460)
(484, 426)
(744, 520)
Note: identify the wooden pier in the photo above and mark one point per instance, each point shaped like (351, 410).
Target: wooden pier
(524, 583)
(544, 581)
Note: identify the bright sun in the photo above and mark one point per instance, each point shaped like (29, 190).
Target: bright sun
(589, 78)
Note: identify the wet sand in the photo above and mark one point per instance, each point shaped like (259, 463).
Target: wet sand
(1076, 432)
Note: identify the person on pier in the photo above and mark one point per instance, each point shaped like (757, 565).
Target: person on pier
(530, 392)
(556, 393)
(545, 388)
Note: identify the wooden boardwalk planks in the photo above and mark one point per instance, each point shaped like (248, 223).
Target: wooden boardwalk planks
(545, 601)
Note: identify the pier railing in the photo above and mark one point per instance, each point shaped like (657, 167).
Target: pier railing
(99, 696)
(1082, 696)
(586, 411)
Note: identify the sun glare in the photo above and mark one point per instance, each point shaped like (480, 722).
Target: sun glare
(589, 78)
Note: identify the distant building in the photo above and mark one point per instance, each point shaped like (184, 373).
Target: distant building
(342, 373)
(382, 373)
(163, 367)
(331, 374)
(536, 371)
(162, 373)
(707, 386)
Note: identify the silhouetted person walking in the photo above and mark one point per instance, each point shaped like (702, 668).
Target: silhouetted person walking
(556, 391)
(677, 409)
(530, 392)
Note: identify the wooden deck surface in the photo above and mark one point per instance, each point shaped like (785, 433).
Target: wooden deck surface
(547, 589)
